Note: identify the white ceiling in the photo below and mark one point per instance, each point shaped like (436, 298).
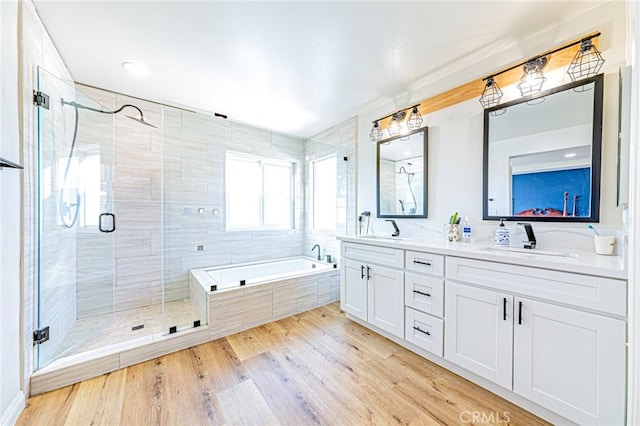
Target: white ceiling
(293, 67)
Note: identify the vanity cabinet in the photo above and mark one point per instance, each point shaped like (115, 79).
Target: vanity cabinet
(424, 300)
(552, 335)
(562, 356)
(479, 331)
(373, 286)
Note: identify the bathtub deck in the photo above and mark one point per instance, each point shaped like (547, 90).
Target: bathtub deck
(314, 368)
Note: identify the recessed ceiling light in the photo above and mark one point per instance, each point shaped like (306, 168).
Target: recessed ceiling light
(570, 155)
(135, 69)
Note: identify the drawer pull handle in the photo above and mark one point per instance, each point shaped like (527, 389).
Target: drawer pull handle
(520, 313)
(422, 293)
(420, 262)
(422, 331)
(504, 308)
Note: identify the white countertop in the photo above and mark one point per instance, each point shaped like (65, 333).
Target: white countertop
(579, 261)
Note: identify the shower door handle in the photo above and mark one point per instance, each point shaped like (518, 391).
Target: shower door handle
(107, 222)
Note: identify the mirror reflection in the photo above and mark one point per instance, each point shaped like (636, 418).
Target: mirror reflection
(542, 158)
(402, 179)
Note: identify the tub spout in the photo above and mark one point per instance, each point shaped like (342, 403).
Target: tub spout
(319, 250)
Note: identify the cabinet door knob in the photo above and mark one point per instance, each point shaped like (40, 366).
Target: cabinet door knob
(422, 293)
(421, 330)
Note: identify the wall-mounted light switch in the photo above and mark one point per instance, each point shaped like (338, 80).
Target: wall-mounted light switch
(215, 212)
(201, 210)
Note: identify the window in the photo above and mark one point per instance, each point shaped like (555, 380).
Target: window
(323, 187)
(258, 192)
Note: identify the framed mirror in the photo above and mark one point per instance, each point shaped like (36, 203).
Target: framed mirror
(402, 176)
(542, 155)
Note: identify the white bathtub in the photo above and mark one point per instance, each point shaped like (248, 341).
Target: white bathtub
(274, 270)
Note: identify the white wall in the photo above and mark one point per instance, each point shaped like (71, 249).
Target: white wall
(633, 383)
(11, 396)
(455, 137)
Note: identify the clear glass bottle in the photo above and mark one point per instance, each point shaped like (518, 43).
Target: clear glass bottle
(502, 235)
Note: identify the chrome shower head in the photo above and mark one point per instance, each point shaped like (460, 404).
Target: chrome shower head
(141, 120)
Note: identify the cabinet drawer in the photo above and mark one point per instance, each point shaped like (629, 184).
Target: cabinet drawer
(373, 254)
(424, 331)
(598, 293)
(427, 263)
(424, 293)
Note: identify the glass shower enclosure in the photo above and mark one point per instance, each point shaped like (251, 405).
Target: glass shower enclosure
(76, 218)
(107, 276)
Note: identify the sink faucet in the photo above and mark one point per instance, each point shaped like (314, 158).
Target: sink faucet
(396, 231)
(319, 249)
(531, 244)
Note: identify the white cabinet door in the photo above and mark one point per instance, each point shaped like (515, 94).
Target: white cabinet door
(353, 289)
(479, 331)
(570, 362)
(386, 298)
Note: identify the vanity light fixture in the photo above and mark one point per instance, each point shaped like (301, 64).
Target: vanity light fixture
(491, 94)
(395, 127)
(376, 132)
(413, 122)
(415, 119)
(586, 63)
(532, 80)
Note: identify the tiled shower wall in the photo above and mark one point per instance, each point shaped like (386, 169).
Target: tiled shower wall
(172, 178)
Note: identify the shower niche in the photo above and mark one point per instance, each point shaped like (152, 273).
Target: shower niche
(402, 176)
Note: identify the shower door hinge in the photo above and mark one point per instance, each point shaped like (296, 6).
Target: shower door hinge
(41, 99)
(40, 336)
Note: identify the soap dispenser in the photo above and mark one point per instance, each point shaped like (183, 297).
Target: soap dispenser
(502, 235)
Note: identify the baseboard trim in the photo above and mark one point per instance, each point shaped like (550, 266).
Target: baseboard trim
(12, 413)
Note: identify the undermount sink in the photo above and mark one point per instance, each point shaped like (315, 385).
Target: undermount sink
(541, 252)
(381, 237)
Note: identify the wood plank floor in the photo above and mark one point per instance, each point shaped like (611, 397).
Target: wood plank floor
(314, 368)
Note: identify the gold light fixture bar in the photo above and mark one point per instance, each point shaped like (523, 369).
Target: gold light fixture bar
(557, 58)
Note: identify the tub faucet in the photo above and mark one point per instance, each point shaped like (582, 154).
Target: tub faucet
(396, 231)
(531, 244)
(319, 250)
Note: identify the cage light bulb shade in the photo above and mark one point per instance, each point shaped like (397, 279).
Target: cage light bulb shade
(586, 63)
(376, 132)
(531, 82)
(491, 94)
(394, 127)
(414, 122)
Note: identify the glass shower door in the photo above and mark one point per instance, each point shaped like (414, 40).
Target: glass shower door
(76, 219)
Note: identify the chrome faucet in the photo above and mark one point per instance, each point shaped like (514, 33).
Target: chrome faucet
(319, 250)
(396, 231)
(531, 244)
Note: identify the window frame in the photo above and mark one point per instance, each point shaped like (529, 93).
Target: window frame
(262, 161)
(312, 191)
